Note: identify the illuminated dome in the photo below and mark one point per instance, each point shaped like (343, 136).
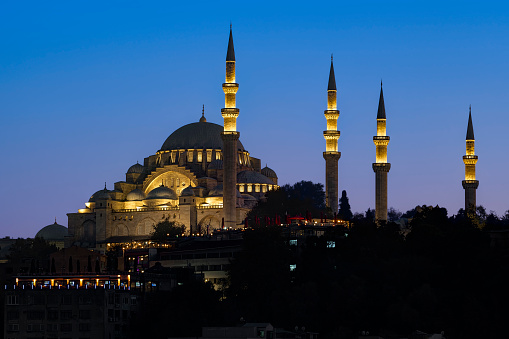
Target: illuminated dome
(187, 192)
(162, 192)
(198, 135)
(136, 168)
(252, 177)
(53, 232)
(269, 172)
(135, 195)
(218, 192)
(100, 195)
(216, 164)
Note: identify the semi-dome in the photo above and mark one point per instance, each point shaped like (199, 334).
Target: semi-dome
(269, 172)
(162, 192)
(252, 177)
(135, 195)
(136, 168)
(218, 192)
(216, 164)
(187, 192)
(53, 232)
(100, 195)
(197, 135)
(248, 197)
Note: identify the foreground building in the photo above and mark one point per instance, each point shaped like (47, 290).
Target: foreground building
(201, 177)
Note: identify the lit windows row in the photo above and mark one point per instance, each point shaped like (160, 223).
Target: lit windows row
(257, 188)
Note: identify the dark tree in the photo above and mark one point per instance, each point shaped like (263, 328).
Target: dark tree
(167, 230)
(345, 212)
(393, 214)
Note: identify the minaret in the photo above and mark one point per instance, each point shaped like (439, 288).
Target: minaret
(331, 135)
(381, 167)
(470, 159)
(230, 137)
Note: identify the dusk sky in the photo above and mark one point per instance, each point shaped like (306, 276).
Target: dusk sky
(89, 88)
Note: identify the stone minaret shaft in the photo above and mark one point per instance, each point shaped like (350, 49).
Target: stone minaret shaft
(470, 159)
(331, 135)
(230, 137)
(381, 167)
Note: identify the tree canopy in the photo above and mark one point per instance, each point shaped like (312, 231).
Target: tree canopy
(167, 230)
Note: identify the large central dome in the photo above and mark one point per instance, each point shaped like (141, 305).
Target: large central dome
(198, 135)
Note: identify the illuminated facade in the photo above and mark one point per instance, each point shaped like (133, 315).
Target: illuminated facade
(470, 184)
(201, 177)
(331, 135)
(381, 167)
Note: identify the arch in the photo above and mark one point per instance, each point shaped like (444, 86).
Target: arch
(120, 230)
(145, 226)
(208, 224)
(168, 174)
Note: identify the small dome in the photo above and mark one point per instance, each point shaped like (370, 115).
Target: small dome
(136, 168)
(100, 195)
(135, 195)
(53, 232)
(216, 164)
(218, 192)
(252, 177)
(269, 172)
(248, 197)
(162, 192)
(187, 192)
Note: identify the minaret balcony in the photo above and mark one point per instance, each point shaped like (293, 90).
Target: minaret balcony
(381, 140)
(230, 88)
(229, 112)
(331, 114)
(331, 135)
(470, 184)
(470, 159)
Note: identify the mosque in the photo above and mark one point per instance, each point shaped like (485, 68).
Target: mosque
(201, 177)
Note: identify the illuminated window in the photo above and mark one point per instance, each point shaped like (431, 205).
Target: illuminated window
(240, 159)
(250, 188)
(173, 153)
(241, 188)
(209, 155)
(218, 155)
(331, 244)
(264, 188)
(293, 242)
(199, 156)
(257, 188)
(190, 155)
(293, 268)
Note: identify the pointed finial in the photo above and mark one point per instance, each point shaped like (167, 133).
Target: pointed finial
(470, 127)
(55, 220)
(203, 119)
(230, 54)
(105, 185)
(332, 78)
(230, 25)
(332, 57)
(381, 104)
(470, 109)
(381, 83)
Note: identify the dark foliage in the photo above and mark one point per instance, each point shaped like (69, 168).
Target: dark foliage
(345, 212)
(443, 276)
(167, 230)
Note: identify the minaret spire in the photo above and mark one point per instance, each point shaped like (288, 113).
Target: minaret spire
(381, 167)
(470, 183)
(230, 136)
(331, 135)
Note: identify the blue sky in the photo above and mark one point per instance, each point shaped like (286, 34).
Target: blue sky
(89, 88)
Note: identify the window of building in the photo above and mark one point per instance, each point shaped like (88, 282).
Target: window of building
(257, 188)
(35, 315)
(52, 315)
(133, 300)
(199, 156)
(12, 327)
(190, 155)
(241, 188)
(84, 314)
(67, 299)
(52, 327)
(293, 267)
(66, 327)
(84, 327)
(12, 315)
(331, 244)
(66, 315)
(209, 155)
(12, 300)
(250, 188)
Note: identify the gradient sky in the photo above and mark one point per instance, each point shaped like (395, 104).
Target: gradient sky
(89, 88)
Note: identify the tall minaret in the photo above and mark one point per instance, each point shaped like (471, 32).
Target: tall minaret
(230, 137)
(331, 135)
(381, 167)
(470, 159)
